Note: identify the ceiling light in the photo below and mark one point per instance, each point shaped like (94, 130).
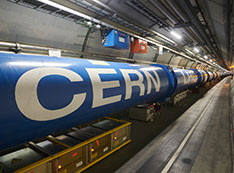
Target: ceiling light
(176, 35)
(98, 26)
(205, 56)
(89, 23)
(69, 10)
(195, 49)
(210, 60)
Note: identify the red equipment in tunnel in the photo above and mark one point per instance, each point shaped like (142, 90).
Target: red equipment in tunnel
(138, 46)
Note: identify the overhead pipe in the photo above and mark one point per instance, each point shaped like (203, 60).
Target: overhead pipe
(227, 16)
(175, 7)
(198, 6)
(135, 4)
(185, 19)
(163, 38)
(163, 9)
(183, 16)
(198, 26)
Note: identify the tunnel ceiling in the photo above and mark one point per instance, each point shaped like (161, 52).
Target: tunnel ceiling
(185, 17)
(206, 24)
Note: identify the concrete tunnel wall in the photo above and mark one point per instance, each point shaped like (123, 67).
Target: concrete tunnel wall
(232, 94)
(25, 25)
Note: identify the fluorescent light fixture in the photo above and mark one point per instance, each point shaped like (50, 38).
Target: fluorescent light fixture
(89, 23)
(69, 10)
(206, 57)
(98, 26)
(195, 49)
(176, 35)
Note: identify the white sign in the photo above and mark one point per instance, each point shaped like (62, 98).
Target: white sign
(121, 39)
(55, 52)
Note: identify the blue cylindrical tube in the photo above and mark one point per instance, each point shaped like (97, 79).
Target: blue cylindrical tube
(184, 79)
(41, 95)
(204, 76)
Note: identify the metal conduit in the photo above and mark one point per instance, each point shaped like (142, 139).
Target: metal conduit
(183, 16)
(198, 27)
(163, 9)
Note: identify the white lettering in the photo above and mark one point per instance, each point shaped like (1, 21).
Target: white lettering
(98, 86)
(27, 99)
(150, 78)
(129, 83)
(186, 77)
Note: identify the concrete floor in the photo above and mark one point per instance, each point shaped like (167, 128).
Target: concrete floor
(215, 152)
(144, 134)
(205, 125)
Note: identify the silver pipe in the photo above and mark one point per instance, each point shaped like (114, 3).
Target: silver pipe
(197, 25)
(163, 9)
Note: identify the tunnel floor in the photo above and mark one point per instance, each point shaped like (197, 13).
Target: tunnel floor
(143, 133)
(198, 141)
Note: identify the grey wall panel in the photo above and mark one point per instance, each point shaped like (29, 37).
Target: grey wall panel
(22, 24)
(182, 62)
(120, 53)
(95, 46)
(164, 58)
(189, 64)
(176, 60)
(146, 57)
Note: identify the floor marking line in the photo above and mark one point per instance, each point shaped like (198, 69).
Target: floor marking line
(182, 144)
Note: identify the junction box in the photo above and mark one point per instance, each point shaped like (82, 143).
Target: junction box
(138, 46)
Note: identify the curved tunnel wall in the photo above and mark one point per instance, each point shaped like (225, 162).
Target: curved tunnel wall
(52, 31)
